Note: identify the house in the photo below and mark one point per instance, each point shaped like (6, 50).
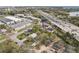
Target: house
(50, 29)
(2, 31)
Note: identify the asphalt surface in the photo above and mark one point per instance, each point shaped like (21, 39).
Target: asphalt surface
(66, 26)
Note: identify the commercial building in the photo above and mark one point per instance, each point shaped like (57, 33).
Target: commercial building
(20, 25)
(7, 21)
(20, 15)
(16, 19)
(15, 22)
(74, 14)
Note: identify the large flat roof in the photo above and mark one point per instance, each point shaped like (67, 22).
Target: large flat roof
(13, 18)
(5, 20)
(20, 24)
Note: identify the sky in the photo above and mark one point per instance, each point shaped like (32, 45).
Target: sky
(39, 2)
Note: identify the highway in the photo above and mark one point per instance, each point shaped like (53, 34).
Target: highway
(66, 26)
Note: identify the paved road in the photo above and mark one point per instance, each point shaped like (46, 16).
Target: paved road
(67, 27)
(15, 39)
(14, 36)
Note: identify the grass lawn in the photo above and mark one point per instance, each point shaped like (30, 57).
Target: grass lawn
(21, 36)
(2, 37)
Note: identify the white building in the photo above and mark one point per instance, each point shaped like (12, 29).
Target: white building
(33, 35)
(74, 14)
(16, 19)
(20, 15)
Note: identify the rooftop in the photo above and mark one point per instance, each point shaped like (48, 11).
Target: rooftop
(4, 20)
(13, 18)
(1, 22)
(18, 25)
(33, 35)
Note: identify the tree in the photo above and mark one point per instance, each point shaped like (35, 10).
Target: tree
(11, 47)
(36, 28)
(2, 27)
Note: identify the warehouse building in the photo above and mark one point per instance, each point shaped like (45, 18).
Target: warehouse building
(7, 21)
(16, 23)
(20, 15)
(74, 14)
(16, 19)
(20, 25)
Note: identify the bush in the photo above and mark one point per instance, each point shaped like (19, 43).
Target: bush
(21, 36)
(2, 27)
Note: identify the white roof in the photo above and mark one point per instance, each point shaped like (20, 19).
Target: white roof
(13, 18)
(20, 14)
(32, 17)
(33, 35)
